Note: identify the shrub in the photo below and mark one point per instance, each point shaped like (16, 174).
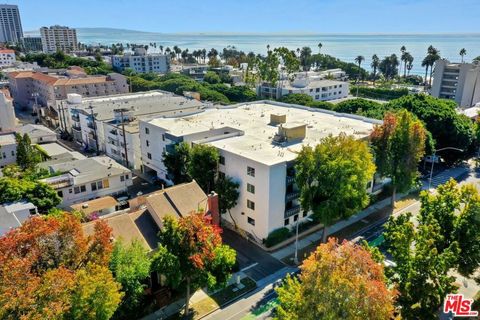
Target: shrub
(277, 236)
(379, 93)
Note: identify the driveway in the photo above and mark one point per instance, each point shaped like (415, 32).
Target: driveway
(255, 262)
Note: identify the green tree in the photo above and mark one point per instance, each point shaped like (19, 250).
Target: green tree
(203, 165)
(305, 55)
(389, 66)
(359, 60)
(130, 265)
(338, 281)
(420, 271)
(27, 156)
(456, 211)
(399, 144)
(211, 77)
(177, 163)
(290, 61)
(228, 193)
(333, 176)
(191, 254)
(462, 53)
(375, 64)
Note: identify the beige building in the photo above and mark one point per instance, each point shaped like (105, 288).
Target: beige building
(43, 89)
(457, 81)
(8, 121)
(58, 38)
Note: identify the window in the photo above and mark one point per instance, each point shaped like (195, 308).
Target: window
(317, 96)
(251, 221)
(76, 190)
(221, 175)
(295, 217)
(148, 143)
(286, 222)
(83, 188)
(250, 188)
(13, 153)
(106, 183)
(60, 194)
(147, 131)
(94, 186)
(99, 185)
(163, 137)
(317, 90)
(222, 160)
(250, 205)
(127, 177)
(149, 155)
(251, 171)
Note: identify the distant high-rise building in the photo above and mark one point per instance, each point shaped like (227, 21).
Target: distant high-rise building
(32, 44)
(59, 38)
(10, 24)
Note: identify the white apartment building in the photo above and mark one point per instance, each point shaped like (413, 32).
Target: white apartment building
(58, 38)
(87, 179)
(258, 144)
(318, 89)
(141, 62)
(10, 24)
(8, 149)
(8, 121)
(457, 81)
(112, 122)
(7, 58)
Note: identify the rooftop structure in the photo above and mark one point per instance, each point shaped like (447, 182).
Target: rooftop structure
(8, 149)
(13, 215)
(100, 206)
(258, 144)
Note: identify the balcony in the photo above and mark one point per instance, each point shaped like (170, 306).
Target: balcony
(113, 143)
(76, 128)
(59, 182)
(292, 195)
(91, 125)
(113, 132)
(290, 179)
(76, 117)
(292, 211)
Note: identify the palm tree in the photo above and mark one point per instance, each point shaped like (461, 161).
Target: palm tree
(374, 65)
(268, 48)
(402, 53)
(359, 60)
(434, 54)
(320, 45)
(406, 56)
(462, 53)
(161, 49)
(410, 63)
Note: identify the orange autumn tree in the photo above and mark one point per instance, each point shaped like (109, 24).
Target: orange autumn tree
(50, 270)
(191, 255)
(338, 281)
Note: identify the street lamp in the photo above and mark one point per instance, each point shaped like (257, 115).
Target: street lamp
(433, 162)
(295, 260)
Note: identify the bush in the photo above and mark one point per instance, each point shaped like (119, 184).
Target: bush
(277, 236)
(211, 77)
(379, 93)
(306, 100)
(362, 107)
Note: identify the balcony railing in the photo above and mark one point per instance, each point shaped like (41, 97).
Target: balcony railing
(76, 128)
(292, 195)
(91, 125)
(59, 182)
(114, 132)
(292, 211)
(76, 118)
(290, 179)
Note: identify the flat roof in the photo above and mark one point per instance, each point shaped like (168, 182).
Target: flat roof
(7, 139)
(313, 84)
(254, 120)
(95, 205)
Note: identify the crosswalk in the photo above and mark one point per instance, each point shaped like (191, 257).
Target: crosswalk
(445, 175)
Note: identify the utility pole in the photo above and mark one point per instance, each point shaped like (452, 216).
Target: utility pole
(124, 137)
(94, 129)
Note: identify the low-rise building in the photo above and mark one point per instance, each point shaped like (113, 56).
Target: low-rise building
(13, 215)
(97, 207)
(7, 58)
(81, 180)
(196, 72)
(141, 62)
(111, 123)
(37, 133)
(314, 85)
(8, 149)
(457, 81)
(29, 88)
(258, 143)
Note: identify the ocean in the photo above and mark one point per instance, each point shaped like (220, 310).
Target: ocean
(343, 46)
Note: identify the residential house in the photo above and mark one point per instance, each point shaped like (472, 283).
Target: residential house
(13, 215)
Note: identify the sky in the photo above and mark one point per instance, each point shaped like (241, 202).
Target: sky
(257, 16)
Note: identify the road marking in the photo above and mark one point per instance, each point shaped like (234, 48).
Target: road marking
(403, 209)
(249, 267)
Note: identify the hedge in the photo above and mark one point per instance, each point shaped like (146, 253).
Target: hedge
(378, 93)
(277, 236)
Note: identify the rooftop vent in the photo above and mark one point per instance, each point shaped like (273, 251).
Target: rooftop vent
(276, 118)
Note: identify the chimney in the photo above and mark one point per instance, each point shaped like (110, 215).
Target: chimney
(212, 208)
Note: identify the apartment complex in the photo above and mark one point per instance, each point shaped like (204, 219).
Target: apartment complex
(141, 62)
(86, 179)
(7, 58)
(32, 44)
(258, 144)
(58, 38)
(315, 84)
(10, 24)
(111, 123)
(43, 89)
(457, 81)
